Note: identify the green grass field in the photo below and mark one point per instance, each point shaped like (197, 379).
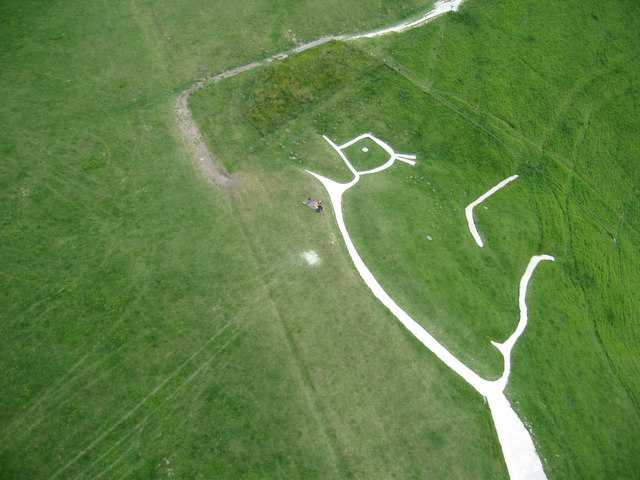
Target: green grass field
(156, 327)
(146, 333)
(550, 93)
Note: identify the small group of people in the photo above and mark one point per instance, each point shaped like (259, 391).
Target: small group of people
(314, 204)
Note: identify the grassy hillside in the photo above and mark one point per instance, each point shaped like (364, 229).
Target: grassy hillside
(548, 91)
(146, 333)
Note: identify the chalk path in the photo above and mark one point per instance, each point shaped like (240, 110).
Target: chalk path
(518, 448)
(468, 211)
(209, 166)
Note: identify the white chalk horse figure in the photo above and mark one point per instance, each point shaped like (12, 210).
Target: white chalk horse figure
(518, 449)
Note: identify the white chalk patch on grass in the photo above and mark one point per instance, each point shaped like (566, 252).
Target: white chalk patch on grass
(518, 449)
(468, 211)
(312, 258)
(365, 149)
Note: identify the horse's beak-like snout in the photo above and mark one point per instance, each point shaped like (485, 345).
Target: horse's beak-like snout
(409, 159)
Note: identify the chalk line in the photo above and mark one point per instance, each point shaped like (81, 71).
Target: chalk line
(521, 457)
(468, 211)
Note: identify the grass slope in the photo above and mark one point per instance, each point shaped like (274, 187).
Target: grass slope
(148, 323)
(547, 91)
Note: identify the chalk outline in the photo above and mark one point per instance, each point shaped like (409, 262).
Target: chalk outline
(520, 455)
(468, 211)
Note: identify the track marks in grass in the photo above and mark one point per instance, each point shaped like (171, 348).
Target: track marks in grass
(75, 380)
(10, 430)
(203, 367)
(55, 397)
(136, 428)
(122, 445)
(98, 464)
(50, 301)
(109, 467)
(128, 414)
(46, 412)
